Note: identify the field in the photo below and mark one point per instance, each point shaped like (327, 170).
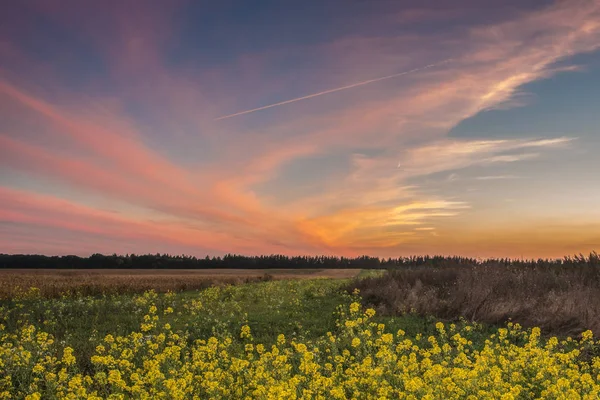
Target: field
(91, 282)
(410, 334)
(562, 300)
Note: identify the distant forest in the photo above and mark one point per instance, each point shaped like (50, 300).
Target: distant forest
(166, 261)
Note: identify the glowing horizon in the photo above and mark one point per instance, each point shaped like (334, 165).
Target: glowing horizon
(117, 128)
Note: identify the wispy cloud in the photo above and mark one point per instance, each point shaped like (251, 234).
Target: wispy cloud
(446, 155)
(496, 177)
(510, 158)
(156, 145)
(389, 225)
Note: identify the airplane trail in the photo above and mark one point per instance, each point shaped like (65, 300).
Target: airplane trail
(310, 96)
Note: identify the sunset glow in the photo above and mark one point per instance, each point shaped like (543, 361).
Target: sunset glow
(227, 127)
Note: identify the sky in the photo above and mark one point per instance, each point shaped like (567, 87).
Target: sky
(387, 128)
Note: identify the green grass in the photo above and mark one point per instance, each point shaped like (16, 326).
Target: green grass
(303, 309)
(370, 273)
(296, 308)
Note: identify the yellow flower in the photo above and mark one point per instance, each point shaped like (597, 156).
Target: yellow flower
(301, 347)
(68, 358)
(280, 339)
(38, 368)
(354, 360)
(245, 331)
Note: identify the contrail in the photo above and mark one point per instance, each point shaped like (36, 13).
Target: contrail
(310, 96)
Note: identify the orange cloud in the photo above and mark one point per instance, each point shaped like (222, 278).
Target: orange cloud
(40, 210)
(489, 74)
(373, 205)
(376, 226)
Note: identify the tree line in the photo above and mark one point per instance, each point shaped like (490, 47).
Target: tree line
(167, 261)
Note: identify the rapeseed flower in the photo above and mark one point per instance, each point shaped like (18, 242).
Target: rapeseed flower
(361, 358)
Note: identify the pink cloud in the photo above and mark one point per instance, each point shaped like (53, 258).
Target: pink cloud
(106, 182)
(218, 203)
(41, 210)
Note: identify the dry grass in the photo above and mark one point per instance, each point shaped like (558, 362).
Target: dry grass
(54, 283)
(559, 299)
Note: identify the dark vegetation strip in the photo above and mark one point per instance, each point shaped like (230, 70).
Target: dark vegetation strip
(158, 261)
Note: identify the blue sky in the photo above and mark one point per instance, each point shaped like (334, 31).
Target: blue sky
(133, 127)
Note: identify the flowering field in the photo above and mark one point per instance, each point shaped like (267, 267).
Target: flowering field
(274, 340)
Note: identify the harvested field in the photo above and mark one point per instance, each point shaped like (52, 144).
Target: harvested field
(54, 283)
